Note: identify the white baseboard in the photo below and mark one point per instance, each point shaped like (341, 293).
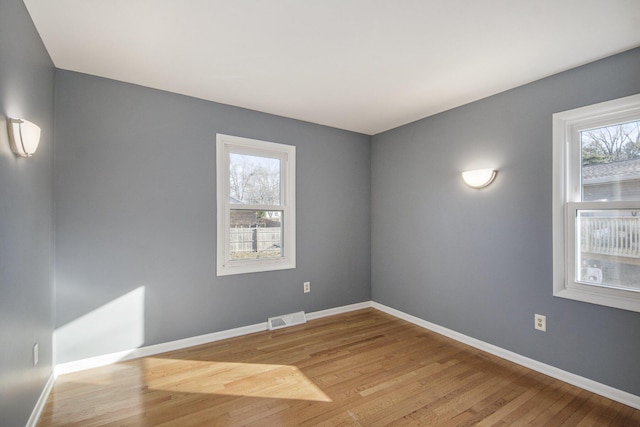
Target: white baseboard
(93, 362)
(42, 400)
(338, 310)
(573, 379)
(107, 359)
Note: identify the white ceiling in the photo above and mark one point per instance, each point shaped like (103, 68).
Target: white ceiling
(361, 65)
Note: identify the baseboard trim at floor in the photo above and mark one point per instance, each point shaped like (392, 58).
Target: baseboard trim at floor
(151, 350)
(584, 383)
(42, 400)
(573, 379)
(108, 359)
(338, 310)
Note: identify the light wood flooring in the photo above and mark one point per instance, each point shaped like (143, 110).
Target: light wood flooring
(363, 368)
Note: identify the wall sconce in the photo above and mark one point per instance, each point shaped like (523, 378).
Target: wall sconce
(24, 137)
(479, 178)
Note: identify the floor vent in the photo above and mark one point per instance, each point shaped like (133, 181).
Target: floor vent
(287, 320)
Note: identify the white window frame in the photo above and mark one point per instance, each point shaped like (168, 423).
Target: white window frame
(226, 144)
(567, 199)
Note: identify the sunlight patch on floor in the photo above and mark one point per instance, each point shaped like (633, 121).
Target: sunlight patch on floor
(227, 378)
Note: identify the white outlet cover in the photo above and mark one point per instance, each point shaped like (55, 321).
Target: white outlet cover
(540, 322)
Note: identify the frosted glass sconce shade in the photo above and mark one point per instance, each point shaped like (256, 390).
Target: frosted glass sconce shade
(479, 178)
(24, 137)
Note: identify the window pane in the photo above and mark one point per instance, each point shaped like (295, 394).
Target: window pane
(611, 163)
(255, 234)
(254, 180)
(608, 248)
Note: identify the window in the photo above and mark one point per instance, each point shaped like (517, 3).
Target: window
(255, 205)
(596, 203)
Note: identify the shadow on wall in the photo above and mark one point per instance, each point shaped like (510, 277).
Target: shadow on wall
(117, 324)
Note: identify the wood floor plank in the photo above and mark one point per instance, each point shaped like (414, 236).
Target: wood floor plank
(363, 368)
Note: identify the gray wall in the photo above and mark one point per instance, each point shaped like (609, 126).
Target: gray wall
(480, 261)
(135, 221)
(26, 217)
(136, 218)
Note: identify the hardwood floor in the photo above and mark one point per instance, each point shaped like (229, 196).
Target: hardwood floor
(363, 368)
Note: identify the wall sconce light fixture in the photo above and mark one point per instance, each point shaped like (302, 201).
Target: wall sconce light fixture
(479, 178)
(24, 137)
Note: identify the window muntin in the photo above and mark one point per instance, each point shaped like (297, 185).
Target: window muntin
(596, 200)
(256, 205)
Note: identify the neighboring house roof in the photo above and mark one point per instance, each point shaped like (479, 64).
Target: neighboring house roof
(608, 172)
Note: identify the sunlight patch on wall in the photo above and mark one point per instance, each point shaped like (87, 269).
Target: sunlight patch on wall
(117, 325)
(235, 379)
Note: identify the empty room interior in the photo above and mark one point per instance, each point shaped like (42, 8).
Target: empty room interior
(254, 213)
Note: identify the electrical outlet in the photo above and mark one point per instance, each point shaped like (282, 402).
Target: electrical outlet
(35, 354)
(540, 322)
(307, 287)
